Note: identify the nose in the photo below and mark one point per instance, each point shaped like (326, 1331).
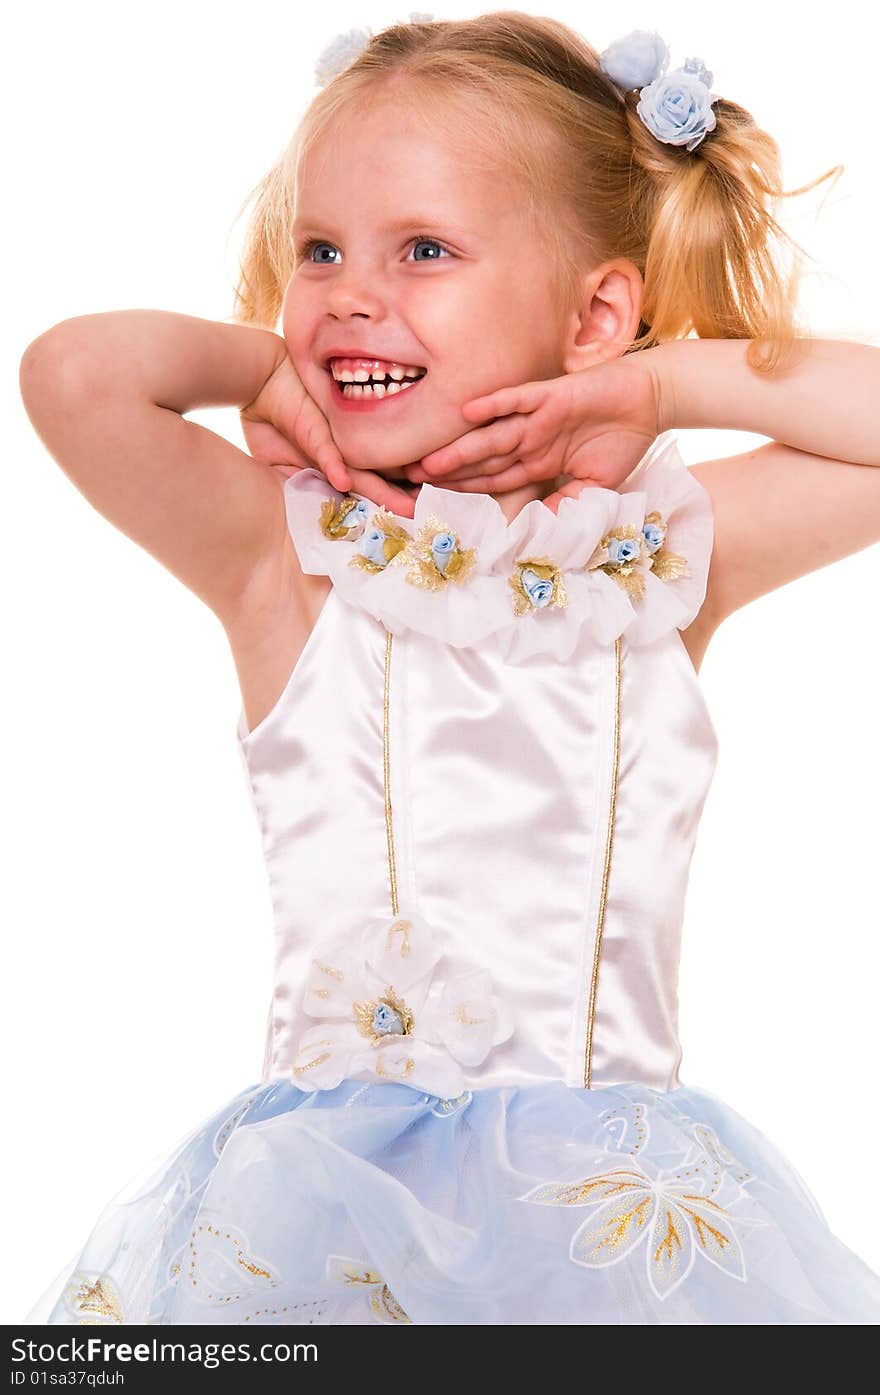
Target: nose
(352, 292)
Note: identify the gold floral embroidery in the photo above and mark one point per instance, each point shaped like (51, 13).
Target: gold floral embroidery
(462, 1016)
(394, 541)
(386, 1306)
(420, 556)
(624, 1121)
(451, 1106)
(228, 1127)
(381, 1299)
(212, 1249)
(334, 512)
(95, 1295)
(676, 1213)
(544, 570)
(316, 1060)
(329, 970)
(402, 928)
(409, 1065)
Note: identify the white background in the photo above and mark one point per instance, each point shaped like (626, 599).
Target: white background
(136, 919)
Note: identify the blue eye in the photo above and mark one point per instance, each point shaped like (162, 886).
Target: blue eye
(304, 252)
(430, 242)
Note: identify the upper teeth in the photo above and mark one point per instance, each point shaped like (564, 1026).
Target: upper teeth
(397, 371)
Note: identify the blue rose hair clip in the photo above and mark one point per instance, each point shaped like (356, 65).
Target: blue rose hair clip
(345, 48)
(676, 107)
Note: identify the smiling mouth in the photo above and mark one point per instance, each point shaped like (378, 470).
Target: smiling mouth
(376, 388)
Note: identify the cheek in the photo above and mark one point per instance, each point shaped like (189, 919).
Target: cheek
(472, 327)
(299, 318)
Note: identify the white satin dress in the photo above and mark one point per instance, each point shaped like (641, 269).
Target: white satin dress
(478, 796)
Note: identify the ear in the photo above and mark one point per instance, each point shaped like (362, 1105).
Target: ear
(607, 319)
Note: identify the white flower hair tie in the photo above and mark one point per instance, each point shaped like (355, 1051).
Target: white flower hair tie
(345, 48)
(676, 107)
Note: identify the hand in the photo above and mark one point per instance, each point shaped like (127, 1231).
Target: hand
(591, 428)
(284, 427)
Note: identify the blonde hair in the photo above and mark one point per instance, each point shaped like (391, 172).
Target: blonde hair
(597, 185)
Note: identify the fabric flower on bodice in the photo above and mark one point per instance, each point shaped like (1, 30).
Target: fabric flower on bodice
(435, 558)
(663, 564)
(536, 583)
(384, 1016)
(631, 560)
(551, 596)
(344, 518)
(628, 550)
(381, 541)
(433, 573)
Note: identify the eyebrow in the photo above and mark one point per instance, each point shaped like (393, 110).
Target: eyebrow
(434, 220)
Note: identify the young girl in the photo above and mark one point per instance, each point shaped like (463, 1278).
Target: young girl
(471, 720)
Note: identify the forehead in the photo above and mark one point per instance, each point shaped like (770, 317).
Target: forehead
(386, 158)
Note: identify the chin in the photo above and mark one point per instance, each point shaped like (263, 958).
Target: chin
(385, 451)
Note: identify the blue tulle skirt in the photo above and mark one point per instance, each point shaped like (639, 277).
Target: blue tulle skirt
(375, 1202)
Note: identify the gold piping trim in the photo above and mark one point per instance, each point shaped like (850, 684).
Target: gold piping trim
(386, 770)
(606, 872)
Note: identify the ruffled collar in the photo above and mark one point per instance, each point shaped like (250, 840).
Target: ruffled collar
(632, 560)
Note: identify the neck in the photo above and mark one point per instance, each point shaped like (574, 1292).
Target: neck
(510, 502)
(516, 499)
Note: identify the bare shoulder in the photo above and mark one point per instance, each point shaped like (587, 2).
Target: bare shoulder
(270, 625)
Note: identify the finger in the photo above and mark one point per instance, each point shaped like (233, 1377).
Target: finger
(330, 460)
(322, 448)
(488, 468)
(338, 475)
(513, 477)
(523, 397)
(380, 491)
(501, 438)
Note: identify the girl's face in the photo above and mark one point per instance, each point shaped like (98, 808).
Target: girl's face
(412, 259)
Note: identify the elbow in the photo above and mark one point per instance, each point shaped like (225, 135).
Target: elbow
(54, 367)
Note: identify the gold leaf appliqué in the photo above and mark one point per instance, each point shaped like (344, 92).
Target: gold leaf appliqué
(334, 512)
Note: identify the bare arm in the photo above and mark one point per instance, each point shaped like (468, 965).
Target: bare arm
(808, 497)
(106, 394)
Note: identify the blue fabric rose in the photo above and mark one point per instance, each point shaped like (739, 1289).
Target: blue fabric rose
(373, 547)
(386, 1020)
(654, 536)
(537, 588)
(699, 69)
(442, 548)
(623, 549)
(635, 60)
(677, 108)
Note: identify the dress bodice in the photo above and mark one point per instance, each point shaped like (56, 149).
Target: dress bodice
(480, 789)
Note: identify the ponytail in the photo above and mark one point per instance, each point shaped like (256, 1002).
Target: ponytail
(717, 262)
